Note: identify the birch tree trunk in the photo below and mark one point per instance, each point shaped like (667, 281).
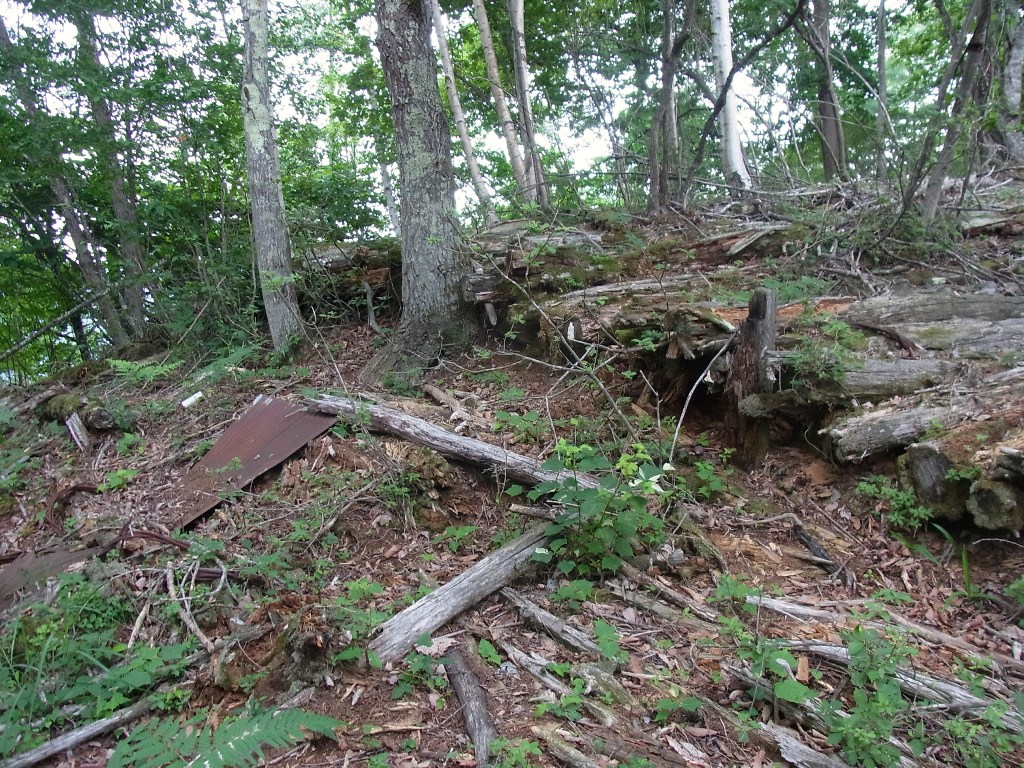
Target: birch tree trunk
(733, 165)
(433, 315)
(87, 256)
(389, 196)
(269, 225)
(479, 186)
(123, 203)
(534, 169)
(508, 128)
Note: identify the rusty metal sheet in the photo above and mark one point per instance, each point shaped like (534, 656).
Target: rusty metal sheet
(263, 437)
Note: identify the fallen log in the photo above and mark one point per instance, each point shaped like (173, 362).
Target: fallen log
(479, 723)
(897, 425)
(399, 634)
(469, 450)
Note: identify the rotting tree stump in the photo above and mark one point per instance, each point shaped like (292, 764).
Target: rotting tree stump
(751, 373)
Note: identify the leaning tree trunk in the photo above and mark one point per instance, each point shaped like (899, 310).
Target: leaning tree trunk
(508, 128)
(968, 75)
(535, 169)
(92, 272)
(123, 204)
(958, 43)
(733, 165)
(269, 225)
(459, 116)
(433, 315)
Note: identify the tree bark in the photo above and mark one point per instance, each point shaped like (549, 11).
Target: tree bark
(751, 374)
(733, 165)
(269, 225)
(479, 186)
(508, 129)
(433, 316)
(1010, 78)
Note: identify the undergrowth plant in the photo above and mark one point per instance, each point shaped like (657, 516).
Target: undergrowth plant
(900, 504)
(870, 716)
(600, 526)
(238, 742)
(66, 657)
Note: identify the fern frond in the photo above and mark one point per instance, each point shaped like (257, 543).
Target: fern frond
(171, 743)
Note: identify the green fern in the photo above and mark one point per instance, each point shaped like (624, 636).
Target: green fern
(171, 743)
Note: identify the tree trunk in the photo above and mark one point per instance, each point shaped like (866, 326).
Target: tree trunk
(460, 118)
(535, 169)
(881, 163)
(122, 201)
(508, 129)
(733, 165)
(269, 226)
(958, 49)
(1010, 77)
(93, 273)
(88, 263)
(968, 75)
(751, 373)
(433, 315)
(389, 195)
(833, 142)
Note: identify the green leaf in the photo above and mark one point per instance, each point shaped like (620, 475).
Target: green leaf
(792, 690)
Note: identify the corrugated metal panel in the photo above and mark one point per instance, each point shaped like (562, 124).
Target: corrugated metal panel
(264, 436)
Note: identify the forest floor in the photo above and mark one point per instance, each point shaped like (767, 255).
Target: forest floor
(354, 527)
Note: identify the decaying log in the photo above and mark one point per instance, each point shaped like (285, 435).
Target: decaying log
(751, 373)
(479, 723)
(379, 418)
(969, 325)
(74, 738)
(998, 663)
(538, 667)
(794, 751)
(899, 425)
(79, 433)
(92, 411)
(807, 713)
(547, 621)
(920, 685)
(399, 635)
(561, 749)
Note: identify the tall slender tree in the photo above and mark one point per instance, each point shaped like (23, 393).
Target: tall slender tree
(122, 195)
(527, 190)
(269, 225)
(733, 164)
(455, 102)
(44, 152)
